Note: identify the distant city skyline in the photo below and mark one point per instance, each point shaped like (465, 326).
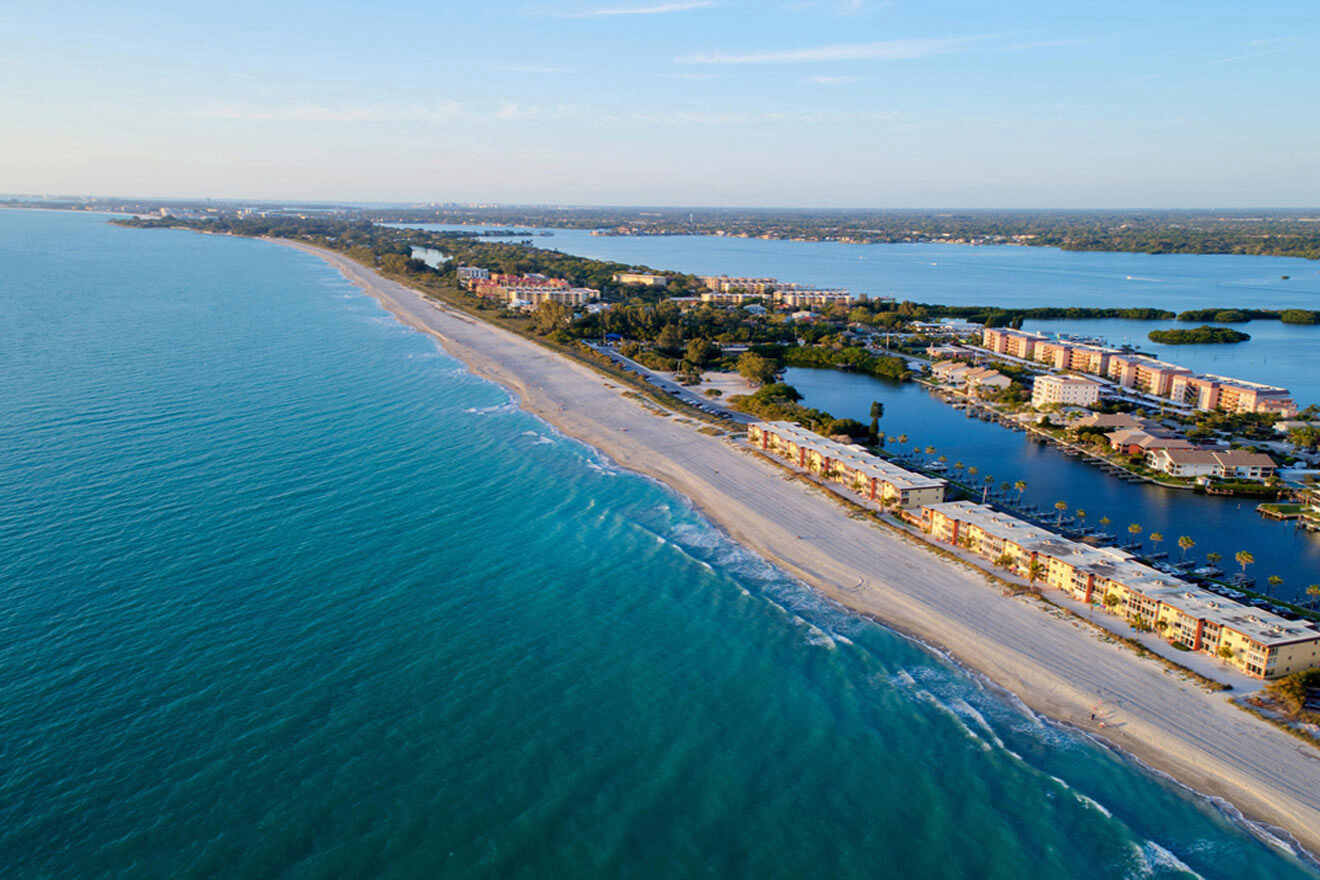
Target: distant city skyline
(712, 103)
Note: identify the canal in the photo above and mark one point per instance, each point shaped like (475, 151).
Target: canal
(1216, 524)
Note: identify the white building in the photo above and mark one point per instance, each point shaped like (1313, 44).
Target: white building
(1066, 390)
(472, 273)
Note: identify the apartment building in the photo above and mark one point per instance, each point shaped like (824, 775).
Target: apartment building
(1014, 343)
(467, 274)
(848, 465)
(1144, 374)
(643, 279)
(727, 284)
(1210, 392)
(1257, 642)
(1065, 390)
(810, 297)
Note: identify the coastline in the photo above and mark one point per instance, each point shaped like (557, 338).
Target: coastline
(1200, 740)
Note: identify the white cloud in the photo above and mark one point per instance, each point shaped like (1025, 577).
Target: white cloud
(888, 50)
(320, 113)
(659, 9)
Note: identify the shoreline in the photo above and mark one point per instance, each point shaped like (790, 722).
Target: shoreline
(1200, 741)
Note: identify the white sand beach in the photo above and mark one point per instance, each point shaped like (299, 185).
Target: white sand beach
(1052, 662)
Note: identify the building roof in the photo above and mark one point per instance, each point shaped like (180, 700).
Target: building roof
(1109, 420)
(1122, 568)
(854, 456)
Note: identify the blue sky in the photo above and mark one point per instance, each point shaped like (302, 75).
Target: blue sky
(835, 103)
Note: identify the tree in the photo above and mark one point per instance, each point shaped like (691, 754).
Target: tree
(1275, 582)
(1135, 529)
(1213, 558)
(971, 471)
(1020, 486)
(1185, 543)
(1004, 560)
(930, 450)
(1314, 592)
(670, 340)
(1080, 514)
(1104, 520)
(1226, 652)
(755, 369)
(958, 465)
(551, 316)
(1244, 558)
(1156, 538)
(877, 409)
(1035, 570)
(699, 351)
(1060, 506)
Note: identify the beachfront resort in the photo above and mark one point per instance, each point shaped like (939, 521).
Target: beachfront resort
(1252, 640)
(1146, 375)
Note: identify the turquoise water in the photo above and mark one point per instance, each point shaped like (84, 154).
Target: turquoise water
(289, 592)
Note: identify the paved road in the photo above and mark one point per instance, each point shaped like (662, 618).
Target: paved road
(671, 387)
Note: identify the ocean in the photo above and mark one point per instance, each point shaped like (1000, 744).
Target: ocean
(288, 591)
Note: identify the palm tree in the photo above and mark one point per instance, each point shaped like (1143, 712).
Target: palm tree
(1314, 592)
(958, 465)
(1080, 514)
(1060, 506)
(930, 450)
(1034, 570)
(943, 459)
(1156, 538)
(971, 471)
(1185, 543)
(1134, 530)
(1275, 582)
(1104, 521)
(1213, 558)
(1004, 487)
(1244, 558)
(1021, 487)
(1004, 560)
(902, 439)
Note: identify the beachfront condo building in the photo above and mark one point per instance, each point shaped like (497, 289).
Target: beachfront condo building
(1209, 392)
(1014, 343)
(642, 279)
(846, 464)
(472, 273)
(726, 284)
(1205, 392)
(532, 297)
(1144, 374)
(810, 297)
(1064, 390)
(1255, 641)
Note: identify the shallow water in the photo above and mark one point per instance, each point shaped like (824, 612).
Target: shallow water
(289, 591)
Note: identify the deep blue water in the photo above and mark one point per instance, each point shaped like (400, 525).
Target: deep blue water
(1217, 524)
(287, 591)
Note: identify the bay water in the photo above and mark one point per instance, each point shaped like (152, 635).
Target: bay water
(288, 591)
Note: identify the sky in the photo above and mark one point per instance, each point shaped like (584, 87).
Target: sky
(832, 104)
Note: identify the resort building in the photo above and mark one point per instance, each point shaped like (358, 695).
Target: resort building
(849, 465)
(532, 297)
(1209, 392)
(1077, 356)
(1144, 374)
(1255, 641)
(472, 273)
(1229, 464)
(643, 279)
(754, 286)
(810, 297)
(1066, 390)
(1014, 343)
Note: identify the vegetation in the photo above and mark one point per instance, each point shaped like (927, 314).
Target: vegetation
(853, 358)
(1203, 335)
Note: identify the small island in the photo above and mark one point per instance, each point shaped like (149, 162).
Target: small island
(1203, 335)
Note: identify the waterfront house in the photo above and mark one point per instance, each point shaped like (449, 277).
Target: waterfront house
(1228, 464)
(1139, 441)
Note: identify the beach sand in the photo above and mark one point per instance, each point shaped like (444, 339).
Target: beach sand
(1056, 665)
